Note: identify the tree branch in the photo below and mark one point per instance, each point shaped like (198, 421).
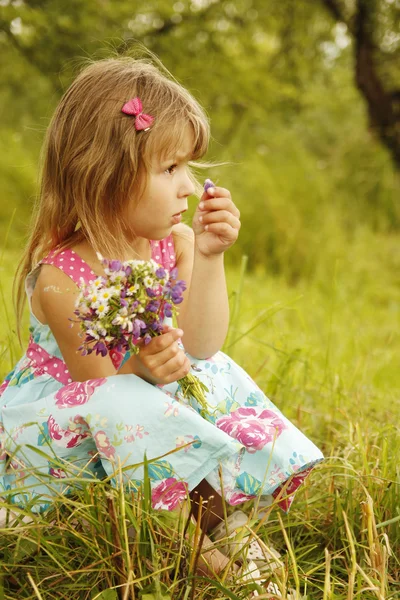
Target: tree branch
(335, 10)
(382, 104)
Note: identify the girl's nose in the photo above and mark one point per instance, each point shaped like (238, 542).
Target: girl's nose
(187, 186)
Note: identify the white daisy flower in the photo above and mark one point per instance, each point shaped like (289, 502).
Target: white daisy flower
(132, 289)
(97, 283)
(148, 282)
(124, 322)
(102, 309)
(106, 294)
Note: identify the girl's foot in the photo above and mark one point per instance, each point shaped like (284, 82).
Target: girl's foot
(212, 561)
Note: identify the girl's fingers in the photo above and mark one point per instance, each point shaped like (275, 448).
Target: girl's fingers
(218, 191)
(219, 204)
(162, 342)
(220, 216)
(224, 230)
(173, 369)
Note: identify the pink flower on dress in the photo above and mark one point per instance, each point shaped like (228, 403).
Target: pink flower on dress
(3, 453)
(116, 358)
(254, 427)
(57, 473)
(66, 438)
(168, 494)
(239, 497)
(3, 386)
(103, 444)
(77, 392)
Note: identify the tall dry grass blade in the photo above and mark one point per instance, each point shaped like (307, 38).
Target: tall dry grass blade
(372, 587)
(33, 584)
(291, 554)
(353, 556)
(327, 581)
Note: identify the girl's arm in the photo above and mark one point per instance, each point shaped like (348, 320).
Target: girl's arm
(204, 314)
(57, 294)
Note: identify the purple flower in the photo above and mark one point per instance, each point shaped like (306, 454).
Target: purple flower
(100, 348)
(123, 302)
(155, 326)
(115, 265)
(147, 339)
(160, 273)
(151, 293)
(208, 184)
(174, 273)
(168, 309)
(128, 270)
(153, 306)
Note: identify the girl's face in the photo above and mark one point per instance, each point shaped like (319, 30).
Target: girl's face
(165, 197)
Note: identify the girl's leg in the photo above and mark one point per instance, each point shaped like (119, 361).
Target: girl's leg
(212, 513)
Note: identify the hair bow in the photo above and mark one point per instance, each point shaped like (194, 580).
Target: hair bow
(134, 108)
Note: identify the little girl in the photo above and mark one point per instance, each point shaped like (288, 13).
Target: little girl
(116, 180)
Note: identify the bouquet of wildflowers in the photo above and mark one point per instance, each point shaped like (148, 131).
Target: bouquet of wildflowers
(129, 305)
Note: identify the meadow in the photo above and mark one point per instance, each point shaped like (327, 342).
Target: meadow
(326, 350)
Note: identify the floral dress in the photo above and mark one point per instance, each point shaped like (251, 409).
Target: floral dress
(53, 428)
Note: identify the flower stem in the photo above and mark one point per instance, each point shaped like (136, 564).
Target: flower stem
(192, 387)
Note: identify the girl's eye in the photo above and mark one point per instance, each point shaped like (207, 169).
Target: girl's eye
(171, 169)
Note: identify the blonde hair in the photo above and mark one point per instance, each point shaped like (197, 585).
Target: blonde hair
(94, 160)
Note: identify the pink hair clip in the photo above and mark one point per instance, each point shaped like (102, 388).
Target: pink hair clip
(134, 108)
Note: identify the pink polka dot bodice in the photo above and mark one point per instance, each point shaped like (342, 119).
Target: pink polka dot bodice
(68, 261)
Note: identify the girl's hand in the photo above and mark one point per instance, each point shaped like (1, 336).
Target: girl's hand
(216, 222)
(162, 361)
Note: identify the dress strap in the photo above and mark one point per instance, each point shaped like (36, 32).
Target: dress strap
(71, 264)
(163, 252)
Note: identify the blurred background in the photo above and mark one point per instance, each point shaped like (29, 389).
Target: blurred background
(304, 101)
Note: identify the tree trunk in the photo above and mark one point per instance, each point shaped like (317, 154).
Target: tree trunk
(383, 105)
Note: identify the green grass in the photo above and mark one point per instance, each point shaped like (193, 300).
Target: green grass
(327, 353)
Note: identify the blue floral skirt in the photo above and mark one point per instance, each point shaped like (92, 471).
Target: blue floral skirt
(243, 446)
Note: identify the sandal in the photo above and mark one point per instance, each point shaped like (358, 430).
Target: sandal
(266, 558)
(251, 573)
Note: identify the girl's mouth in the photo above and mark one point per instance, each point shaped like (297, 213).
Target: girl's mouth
(177, 218)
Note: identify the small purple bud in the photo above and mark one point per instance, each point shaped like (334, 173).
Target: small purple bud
(115, 265)
(128, 270)
(153, 306)
(160, 273)
(147, 339)
(174, 273)
(151, 293)
(208, 184)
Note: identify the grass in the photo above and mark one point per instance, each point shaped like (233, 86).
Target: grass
(326, 352)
